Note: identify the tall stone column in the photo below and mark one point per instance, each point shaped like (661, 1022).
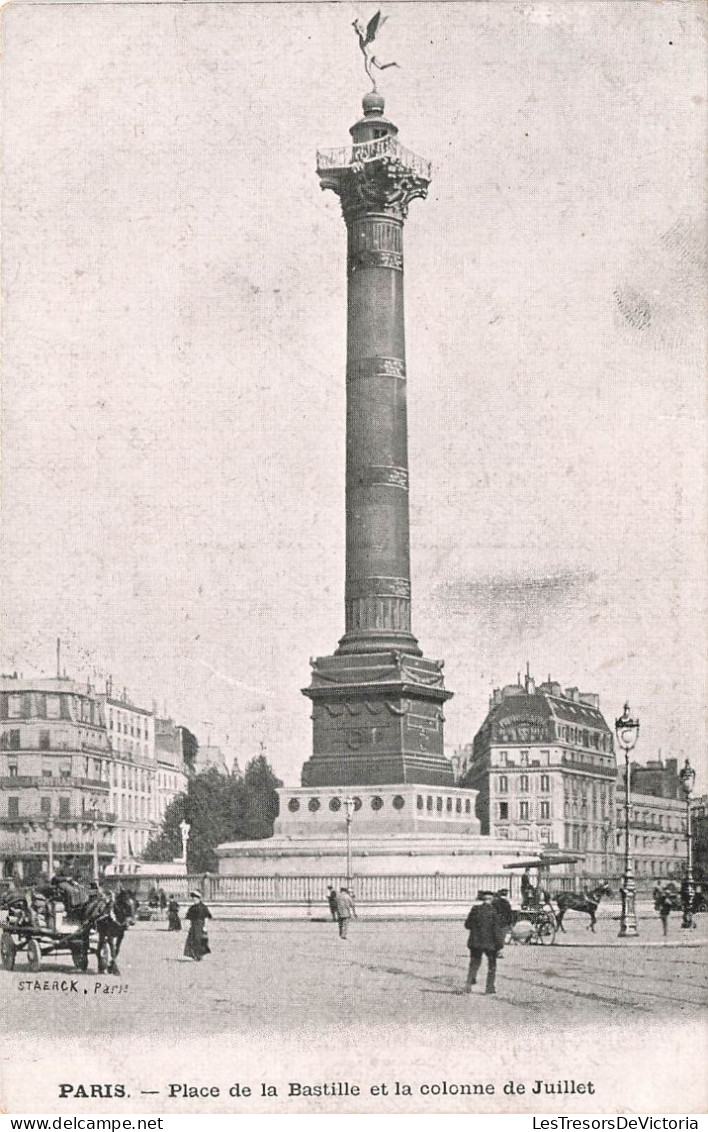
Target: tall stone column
(377, 701)
(375, 187)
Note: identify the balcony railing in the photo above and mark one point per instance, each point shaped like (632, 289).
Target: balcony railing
(362, 152)
(53, 782)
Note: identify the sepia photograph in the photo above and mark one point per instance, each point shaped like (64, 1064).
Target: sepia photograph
(353, 641)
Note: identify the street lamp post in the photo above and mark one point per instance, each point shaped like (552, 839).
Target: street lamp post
(606, 832)
(349, 806)
(627, 732)
(94, 828)
(50, 848)
(687, 778)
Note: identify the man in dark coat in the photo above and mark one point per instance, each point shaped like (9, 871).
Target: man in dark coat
(487, 931)
(503, 907)
(332, 901)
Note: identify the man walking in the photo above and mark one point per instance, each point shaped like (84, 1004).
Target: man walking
(501, 905)
(487, 931)
(345, 911)
(663, 905)
(332, 901)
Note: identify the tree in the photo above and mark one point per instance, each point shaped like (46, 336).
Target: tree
(218, 807)
(190, 749)
(260, 801)
(168, 843)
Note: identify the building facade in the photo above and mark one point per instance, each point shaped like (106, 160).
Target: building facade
(544, 766)
(133, 776)
(699, 822)
(171, 768)
(657, 819)
(55, 777)
(85, 777)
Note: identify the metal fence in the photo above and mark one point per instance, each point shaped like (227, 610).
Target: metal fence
(430, 888)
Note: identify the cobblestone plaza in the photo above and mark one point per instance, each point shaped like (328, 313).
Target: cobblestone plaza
(385, 1004)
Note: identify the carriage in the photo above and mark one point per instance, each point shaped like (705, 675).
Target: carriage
(55, 922)
(536, 921)
(39, 931)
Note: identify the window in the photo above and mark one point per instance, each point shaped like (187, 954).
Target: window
(503, 811)
(419, 802)
(524, 784)
(65, 807)
(14, 740)
(45, 807)
(429, 803)
(12, 769)
(53, 707)
(65, 768)
(13, 807)
(439, 804)
(47, 766)
(524, 811)
(398, 802)
(458, 806)
(545, 809)
(524, 756)
(503, 784)
(44, 740)
(14, 707)
(468, 806)
(503, 757)
(545, 783)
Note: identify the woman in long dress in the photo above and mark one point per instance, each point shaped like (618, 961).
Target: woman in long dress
(197, 943)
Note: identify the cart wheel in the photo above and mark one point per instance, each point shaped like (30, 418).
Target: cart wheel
(79, 956)
(7, 951)
(104, 957)
(546, 931)
(34, 955)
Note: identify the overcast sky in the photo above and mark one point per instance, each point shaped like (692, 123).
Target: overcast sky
(174, 339)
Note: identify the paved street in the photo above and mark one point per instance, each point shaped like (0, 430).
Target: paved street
(276, 975)
(290, 1001)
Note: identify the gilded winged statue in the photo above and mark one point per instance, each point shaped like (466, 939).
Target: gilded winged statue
(367, 34)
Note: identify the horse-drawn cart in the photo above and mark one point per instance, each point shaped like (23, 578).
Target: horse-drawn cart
(535, 921)
(26, 930)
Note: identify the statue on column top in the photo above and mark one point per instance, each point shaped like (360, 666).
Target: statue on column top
(367, 35)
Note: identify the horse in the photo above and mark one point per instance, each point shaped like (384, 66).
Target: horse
(112, 926)
(587, 901)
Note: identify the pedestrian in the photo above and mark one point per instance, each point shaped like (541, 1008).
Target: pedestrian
(487, 932)
(503, 907)
(162, 897)
(332, 901)
(197, 942)
(174, 924)
(663, 907)
(527, 890)
(345, 911)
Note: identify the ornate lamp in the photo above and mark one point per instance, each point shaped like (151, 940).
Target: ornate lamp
(627, 732)
(687, 778)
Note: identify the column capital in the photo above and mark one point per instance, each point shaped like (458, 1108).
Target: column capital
(377, 176)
